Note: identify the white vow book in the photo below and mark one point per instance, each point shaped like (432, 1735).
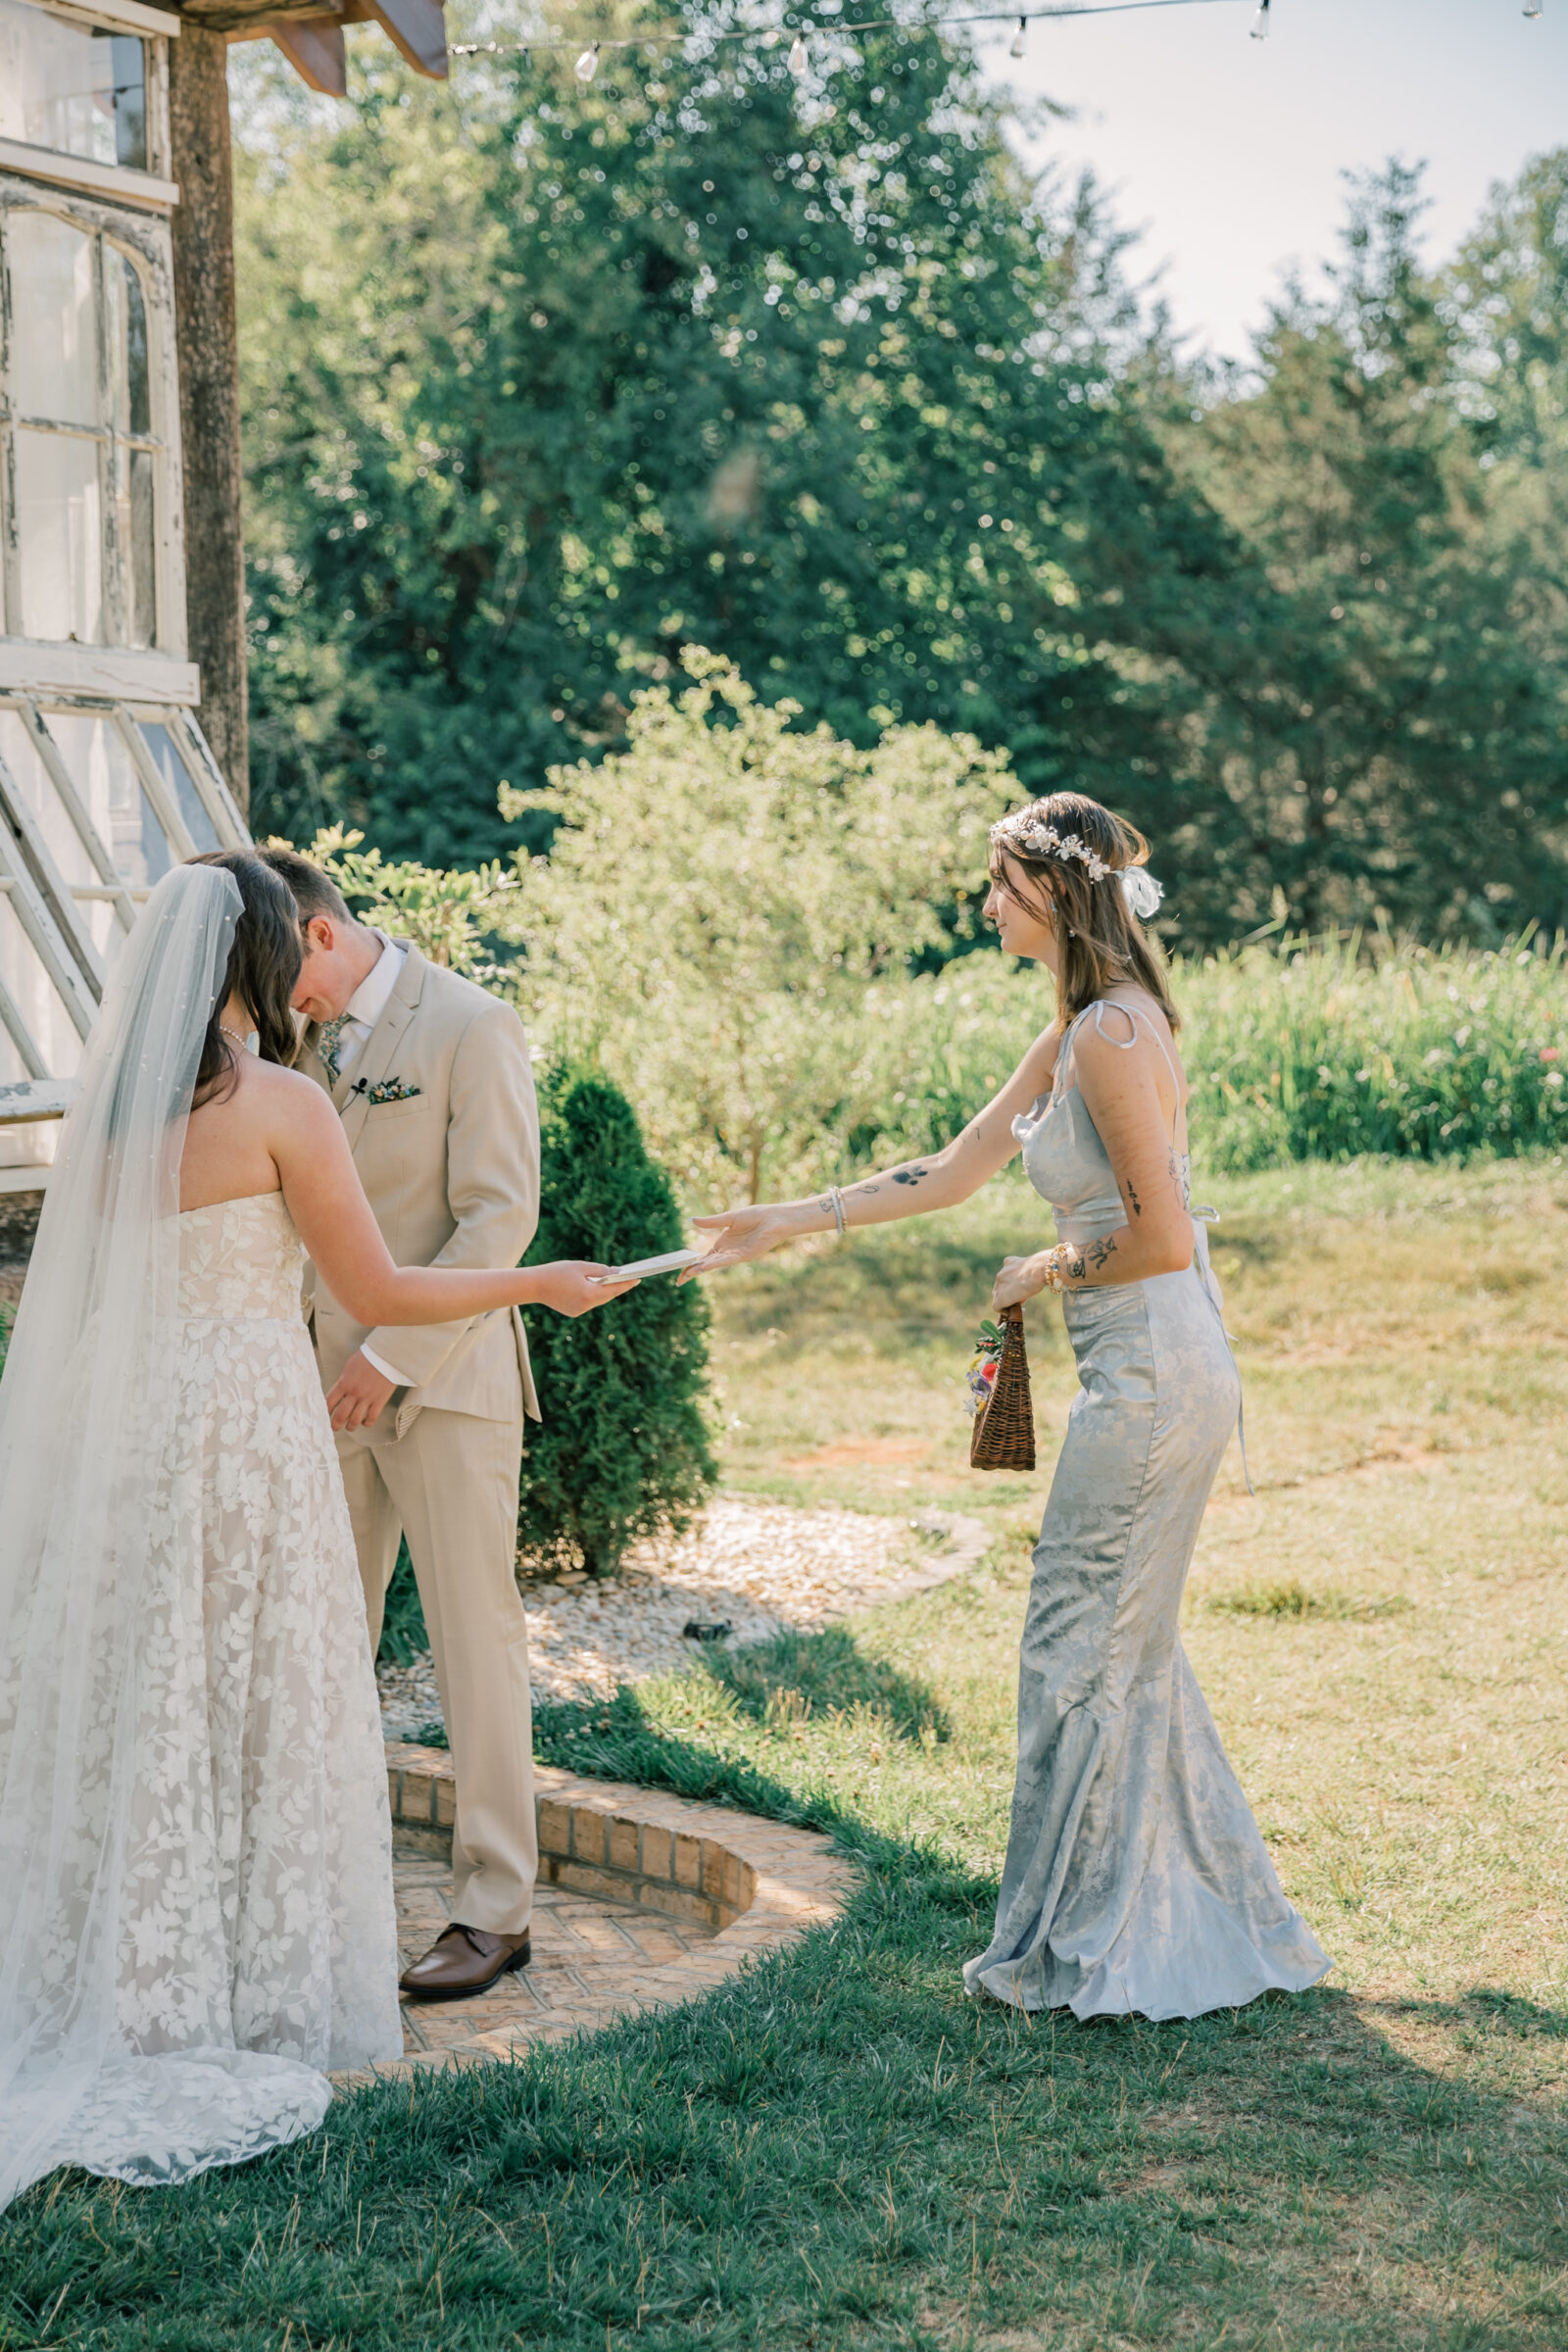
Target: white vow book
(671, 1263)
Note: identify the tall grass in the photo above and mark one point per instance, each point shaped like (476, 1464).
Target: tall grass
(1300, 1051)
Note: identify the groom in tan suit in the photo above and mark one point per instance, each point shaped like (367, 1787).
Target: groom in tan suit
(433, 1082)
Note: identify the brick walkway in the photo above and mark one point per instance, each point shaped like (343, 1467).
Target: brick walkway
(643, 1900)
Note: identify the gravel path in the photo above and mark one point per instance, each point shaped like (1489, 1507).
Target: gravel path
(751, 1567)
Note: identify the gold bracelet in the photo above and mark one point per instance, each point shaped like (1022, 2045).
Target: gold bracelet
(1055, 1268)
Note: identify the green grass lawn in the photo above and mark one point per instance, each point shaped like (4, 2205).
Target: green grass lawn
(838, 2150)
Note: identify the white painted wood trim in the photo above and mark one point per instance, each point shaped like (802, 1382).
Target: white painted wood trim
(208, 777)
(146, 189)
(29, 1179)
(49, 882)
(48, 944)
(164, 807)
(36, 1098)
(97, 848)
(127, 16)
(27, 665)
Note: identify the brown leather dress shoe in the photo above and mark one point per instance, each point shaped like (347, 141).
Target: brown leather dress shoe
(463, 1961)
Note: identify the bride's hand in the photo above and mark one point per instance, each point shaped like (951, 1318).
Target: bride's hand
(1020, 1278)
(573, 1286)
(739, 1234)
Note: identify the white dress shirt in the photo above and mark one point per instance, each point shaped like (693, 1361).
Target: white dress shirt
(368, 1003)
(360, 1016)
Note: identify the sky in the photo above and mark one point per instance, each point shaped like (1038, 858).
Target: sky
(1227, 153)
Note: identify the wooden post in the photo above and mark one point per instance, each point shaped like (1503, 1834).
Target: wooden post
(209, 390)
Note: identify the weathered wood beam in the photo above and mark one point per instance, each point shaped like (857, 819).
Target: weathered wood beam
(201, 163)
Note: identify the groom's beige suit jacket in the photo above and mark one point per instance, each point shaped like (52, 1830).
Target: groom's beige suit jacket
(438, 1108)
(450, 1168)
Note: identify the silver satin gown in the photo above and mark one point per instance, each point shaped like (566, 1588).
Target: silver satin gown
(1136, 1879)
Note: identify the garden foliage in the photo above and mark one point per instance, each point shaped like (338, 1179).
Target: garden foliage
(734, 914)
(545, 383)
(621, 1452)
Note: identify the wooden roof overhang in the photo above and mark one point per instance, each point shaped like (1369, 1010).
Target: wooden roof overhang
(311, 34)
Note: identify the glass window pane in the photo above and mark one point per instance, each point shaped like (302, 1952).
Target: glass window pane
(126, 93)
(23, 765)
(60, 537)
(140, 543)
(176, 775)
(32, 992)
(103, 772)
(68, 87)
(128, 331)
(54, 342)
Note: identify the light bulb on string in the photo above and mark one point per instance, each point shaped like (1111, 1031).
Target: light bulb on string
(1020, 37)
(797, 60)
(588, 63)
(1260, 21)
(1532, 8)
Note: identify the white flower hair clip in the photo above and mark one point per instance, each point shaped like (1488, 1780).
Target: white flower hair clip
(1141, 890)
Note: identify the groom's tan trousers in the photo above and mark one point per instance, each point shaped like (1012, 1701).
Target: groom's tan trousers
(450, 1485)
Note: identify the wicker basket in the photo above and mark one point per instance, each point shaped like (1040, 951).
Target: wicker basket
(1003, 1434)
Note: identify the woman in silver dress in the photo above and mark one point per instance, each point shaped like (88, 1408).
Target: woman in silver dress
(1136, 1879)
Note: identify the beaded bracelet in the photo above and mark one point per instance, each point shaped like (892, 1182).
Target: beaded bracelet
(1056, 1267)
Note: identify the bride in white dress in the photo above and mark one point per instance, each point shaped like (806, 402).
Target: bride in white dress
(194, 1840)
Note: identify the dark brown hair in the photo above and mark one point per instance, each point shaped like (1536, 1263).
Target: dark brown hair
(1102, 942)
(263, 965)
(314, 892)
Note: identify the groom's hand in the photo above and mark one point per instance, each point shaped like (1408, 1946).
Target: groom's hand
(357, 1395)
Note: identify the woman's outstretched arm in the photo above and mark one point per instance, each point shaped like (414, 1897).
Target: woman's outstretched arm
(324, 1196)
(940, 1180)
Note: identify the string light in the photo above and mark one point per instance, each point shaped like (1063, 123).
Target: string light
(1532, 8)
(587, 65)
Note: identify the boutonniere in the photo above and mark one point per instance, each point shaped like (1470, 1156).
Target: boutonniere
(386, 1089)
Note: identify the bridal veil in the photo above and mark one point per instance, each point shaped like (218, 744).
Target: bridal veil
(88, 1430)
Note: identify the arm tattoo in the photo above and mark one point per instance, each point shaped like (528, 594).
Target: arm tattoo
(1101, 1252)
(909, 1175)
(1075, 1268)
(1132, 1200)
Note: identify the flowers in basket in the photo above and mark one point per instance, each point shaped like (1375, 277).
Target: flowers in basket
(980, 1378)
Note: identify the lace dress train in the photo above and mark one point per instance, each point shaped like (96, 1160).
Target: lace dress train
(255, 1928)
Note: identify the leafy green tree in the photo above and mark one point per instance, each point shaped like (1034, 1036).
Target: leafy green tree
(622, 1452)
(1383, 736)
(543, 383)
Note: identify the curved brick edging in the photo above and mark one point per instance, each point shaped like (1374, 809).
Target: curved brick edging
(749, 1885)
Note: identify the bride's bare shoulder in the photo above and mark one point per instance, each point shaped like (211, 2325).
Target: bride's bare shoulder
(289, 1094)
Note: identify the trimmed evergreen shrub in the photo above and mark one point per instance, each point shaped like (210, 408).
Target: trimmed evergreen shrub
(622, 1452)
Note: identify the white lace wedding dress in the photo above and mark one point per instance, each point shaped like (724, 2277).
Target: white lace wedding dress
(255, 1929)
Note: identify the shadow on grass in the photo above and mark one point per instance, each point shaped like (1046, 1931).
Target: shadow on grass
(836, 2149)
(798, 1676)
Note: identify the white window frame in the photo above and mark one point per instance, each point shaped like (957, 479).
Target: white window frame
(161, 671)
(152, 187)
(50, 909)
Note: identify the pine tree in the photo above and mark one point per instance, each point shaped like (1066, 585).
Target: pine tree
(622, 1452)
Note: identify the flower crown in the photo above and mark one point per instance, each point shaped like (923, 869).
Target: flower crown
(1026, 831)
